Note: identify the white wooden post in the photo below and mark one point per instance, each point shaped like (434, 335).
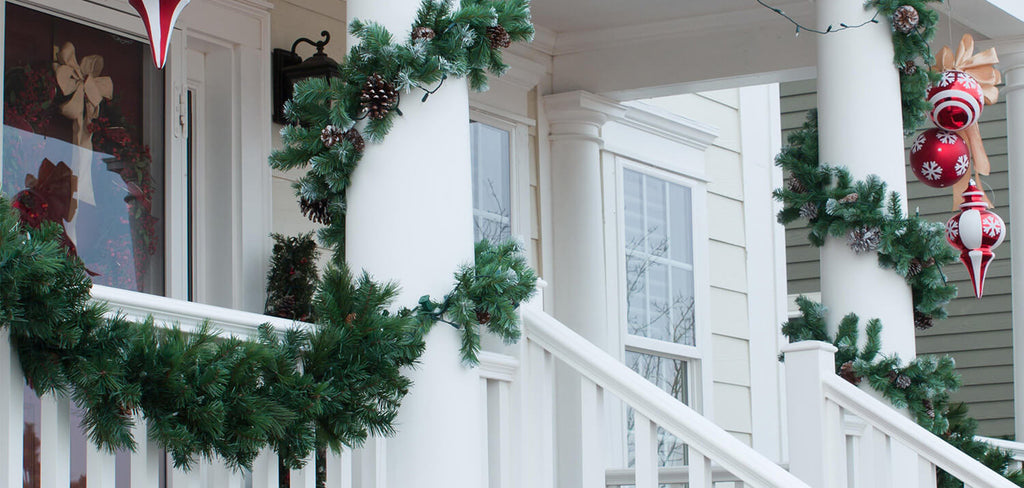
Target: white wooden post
(100, 467)
(339, 469)
(304, 477)
(925, 473)
(179, 478)
(145, 461)
(812, 453)
(700, 470)
(592, 435)
(538, 418)
(12, 411)
(219, 475)
(645, 449)
(54, 441)
(499, 429)
(264, 470)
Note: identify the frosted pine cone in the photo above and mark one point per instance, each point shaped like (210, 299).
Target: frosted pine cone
(330, 136)
(378, 97)
(809, 211)
(316, 210)
(863, 239)
(851, 198)
(422, 32)
(908, 68)
(922, 321)
(355, 138)
(905, 19)
(902, 381)
(847, 373)
(796, 186)
(914, 268)
(498, 37)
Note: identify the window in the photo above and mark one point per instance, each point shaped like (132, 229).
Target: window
(83, 143)
(660, 320)
(492, 202)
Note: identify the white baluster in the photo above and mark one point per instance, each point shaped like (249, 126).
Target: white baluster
(219, 475)
(339, 469)
(926, 473)
(645, 437)
(306, 476)
(369, 464)
(592, 442)
(700, 470)
(145, 461)
(486, 445)
(539, 443)
(501, 398)
(880, 459)
(99, 467)
(55, 441)
(179, 478)
(264, 470)
(12, 421)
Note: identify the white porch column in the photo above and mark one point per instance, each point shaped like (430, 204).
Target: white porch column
(580, 283)
(1011, 63)
(860, 125)
(410, 219)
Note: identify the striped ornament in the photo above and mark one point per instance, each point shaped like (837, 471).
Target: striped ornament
(975, 232)
(159, 17)
(956, 100)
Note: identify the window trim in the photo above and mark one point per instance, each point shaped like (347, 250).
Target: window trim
(519, 165)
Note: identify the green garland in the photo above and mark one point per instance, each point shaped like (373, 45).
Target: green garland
(329, 385)
(910, 49)
(837, 206)
(293, 277)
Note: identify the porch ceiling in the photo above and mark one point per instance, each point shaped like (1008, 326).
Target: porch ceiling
(641, 48)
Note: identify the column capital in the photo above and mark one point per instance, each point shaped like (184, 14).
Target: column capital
(580, 115)
(1011, 62)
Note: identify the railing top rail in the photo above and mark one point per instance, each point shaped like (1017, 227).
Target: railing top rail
(654, 403)
(883, 417)
(1016, 449)
(186, 315)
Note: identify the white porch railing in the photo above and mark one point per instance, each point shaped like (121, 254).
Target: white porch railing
(547, 340)
(148, 466)
(841, 436)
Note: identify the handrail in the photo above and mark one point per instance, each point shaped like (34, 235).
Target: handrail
(652, 402)
(886, 419)
(184, 314)
(1016, 449)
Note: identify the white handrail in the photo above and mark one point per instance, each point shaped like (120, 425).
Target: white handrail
(1016, 449)
(186, 315)
(655, 404)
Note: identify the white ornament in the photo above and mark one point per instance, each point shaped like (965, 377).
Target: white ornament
(961, 165)
(918, 144)
(947, 137)
(931, 170)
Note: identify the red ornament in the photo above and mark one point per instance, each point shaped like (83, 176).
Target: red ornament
(159, 17)
(939, 158)
(956, 100)
(975, 231)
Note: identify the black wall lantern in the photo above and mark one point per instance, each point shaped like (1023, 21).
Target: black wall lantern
(287, 67)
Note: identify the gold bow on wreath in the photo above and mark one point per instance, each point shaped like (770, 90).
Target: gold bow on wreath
(980, 67)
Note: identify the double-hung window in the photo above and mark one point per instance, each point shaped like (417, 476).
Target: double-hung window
(490, 151)
(660, 331)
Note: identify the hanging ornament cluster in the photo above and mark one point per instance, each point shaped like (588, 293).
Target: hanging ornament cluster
(939, 158)
(975, 232)
(159, 17)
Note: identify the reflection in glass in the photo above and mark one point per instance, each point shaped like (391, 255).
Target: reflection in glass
(659, 259)
(489, 149)
(669, 375)
(83, 144)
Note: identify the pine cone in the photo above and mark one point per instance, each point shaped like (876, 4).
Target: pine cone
(498, 37)
(902, 381)
(350, 318)
(355, 138)
(914, 268)
(908, 68)
(929, 408)
(863, 239)
(905, 19)
(922, 321)
(483, 317)
(847, 373)
(378, 97)
(809, 211)
(330, 136)
(851, 198)
(796, 186)
(316, 210)
(422, 32)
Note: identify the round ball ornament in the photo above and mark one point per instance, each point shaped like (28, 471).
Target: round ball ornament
(975, 232)
(939, 158)
(956, 100)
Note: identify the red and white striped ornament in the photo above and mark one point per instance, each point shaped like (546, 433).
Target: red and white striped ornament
(939, 158)
(975, 232)
(956, 99)
(159, 17)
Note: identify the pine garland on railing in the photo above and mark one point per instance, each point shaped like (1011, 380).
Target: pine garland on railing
(870, 219)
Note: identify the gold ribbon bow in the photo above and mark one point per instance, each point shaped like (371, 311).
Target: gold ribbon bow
(980, 67)
(86, 87)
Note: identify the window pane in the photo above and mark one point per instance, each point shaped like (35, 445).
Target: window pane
(669, 375)
(658, 219)
(491, 182)
(83, 143)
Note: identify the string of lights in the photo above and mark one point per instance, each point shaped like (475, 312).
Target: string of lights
(828, 30)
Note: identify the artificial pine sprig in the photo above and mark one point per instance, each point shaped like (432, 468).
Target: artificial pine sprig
(903, 239)
(913, 58)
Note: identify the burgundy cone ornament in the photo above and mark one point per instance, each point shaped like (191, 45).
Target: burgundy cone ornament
(159, 17)
(975, 232)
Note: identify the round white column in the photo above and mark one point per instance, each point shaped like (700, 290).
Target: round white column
(410, 219)
(860, 127)
(1011, 63)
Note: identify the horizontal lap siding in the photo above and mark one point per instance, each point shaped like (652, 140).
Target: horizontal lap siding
(978, 332)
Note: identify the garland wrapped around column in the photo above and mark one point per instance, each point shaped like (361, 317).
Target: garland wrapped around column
(326, 385)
